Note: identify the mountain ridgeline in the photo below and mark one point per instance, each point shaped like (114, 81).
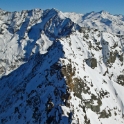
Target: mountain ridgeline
(61, 68)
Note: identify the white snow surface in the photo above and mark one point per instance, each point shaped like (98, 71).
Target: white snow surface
(102, 21)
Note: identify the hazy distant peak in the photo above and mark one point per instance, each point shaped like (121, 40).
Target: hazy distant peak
(103, 12)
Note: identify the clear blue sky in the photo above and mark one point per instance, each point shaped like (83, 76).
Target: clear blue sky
(79, 6)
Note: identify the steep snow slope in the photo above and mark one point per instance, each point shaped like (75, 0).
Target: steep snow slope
(54, 71)
(76, 18)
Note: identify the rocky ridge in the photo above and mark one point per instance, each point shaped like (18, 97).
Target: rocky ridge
(55, 70)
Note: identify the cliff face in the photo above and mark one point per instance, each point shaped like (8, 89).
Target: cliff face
(52, 70)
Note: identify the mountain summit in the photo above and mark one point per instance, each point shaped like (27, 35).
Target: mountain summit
(61, 68)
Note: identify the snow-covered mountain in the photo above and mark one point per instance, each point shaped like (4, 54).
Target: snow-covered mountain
(102, 20)
(60, 68)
